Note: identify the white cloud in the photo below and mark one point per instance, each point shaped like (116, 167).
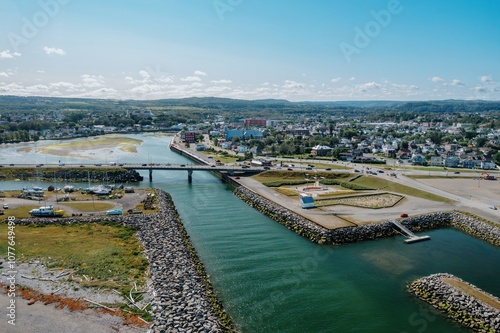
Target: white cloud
(144, 74)
(93, 81)
(292, 84)
(191, 79)
(54, 50)
(335, 80)
(436, 79)
(63, 84)
(200, 73)
(369, 85)
(223, 81)
(457, 83)
(486, 78)
(9, 55)
(352, 78)
(4, 74)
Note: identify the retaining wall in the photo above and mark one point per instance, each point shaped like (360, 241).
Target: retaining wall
(457, 304)
(321, 235)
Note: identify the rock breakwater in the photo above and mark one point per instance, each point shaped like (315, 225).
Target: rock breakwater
(321, 235)
(461, 306)
(184, 300)
(97, 175)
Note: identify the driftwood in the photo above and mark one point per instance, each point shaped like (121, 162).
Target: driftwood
(61, 275)
(55, 291)
(99, 304)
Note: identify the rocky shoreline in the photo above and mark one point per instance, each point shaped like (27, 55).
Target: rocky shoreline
(321, 235)
(95, 175)
(184, 300)
(457, 304)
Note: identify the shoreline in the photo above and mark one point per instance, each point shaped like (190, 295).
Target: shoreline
(183, 295)
(343, 235)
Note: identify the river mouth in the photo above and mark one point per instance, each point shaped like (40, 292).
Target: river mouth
(270, 279)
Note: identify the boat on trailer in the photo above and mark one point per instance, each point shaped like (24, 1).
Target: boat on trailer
(46, 211)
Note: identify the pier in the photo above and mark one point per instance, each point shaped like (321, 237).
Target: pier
(411, 237)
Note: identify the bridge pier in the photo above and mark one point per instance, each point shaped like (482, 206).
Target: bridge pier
(150, 175)
(190, 176)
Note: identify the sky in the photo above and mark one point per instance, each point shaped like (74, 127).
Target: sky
(322, 50)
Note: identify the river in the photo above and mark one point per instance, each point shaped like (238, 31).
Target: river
(272, 280)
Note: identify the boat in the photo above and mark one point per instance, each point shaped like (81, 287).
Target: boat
(115, 211)
(46, 211)
(37, 191)
(306, 200)
(68, 188)
(99, 190)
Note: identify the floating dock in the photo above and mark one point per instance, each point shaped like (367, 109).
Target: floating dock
(411, 237)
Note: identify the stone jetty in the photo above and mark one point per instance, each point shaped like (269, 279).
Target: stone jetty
(184, 300)
(318, 234)
(66, 174)
(457, 304)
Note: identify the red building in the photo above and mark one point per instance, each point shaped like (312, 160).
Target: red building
(190, 137)
(255, 122)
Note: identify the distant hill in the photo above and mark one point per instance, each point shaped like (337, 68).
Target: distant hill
(359, 104)
(228, 104)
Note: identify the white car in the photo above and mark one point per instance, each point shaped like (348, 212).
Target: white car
(5, 206)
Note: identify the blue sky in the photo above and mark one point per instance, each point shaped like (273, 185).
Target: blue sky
(324, 50)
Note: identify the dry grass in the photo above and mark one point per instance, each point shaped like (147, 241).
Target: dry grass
(110, 255)
(61, 302)
(287, 191)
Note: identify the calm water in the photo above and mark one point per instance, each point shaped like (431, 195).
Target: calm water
(271, 280)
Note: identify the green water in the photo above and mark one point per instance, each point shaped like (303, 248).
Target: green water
(272, 280)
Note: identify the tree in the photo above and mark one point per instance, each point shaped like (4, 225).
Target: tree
(496, 157)
(481, 141)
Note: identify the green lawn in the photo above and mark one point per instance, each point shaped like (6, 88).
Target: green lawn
(280, 175)
(89, 206)
(386, 185)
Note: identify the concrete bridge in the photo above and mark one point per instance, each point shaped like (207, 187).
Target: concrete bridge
(230, 170)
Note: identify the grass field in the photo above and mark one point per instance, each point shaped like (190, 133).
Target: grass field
(18, 212)
(89, 206)
(279, 175)
(386, 185)
(110, 255)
